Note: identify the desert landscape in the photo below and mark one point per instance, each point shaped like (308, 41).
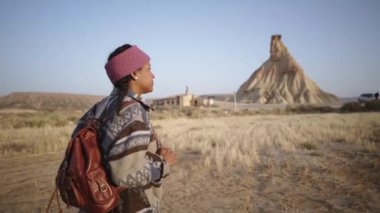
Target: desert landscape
(269, 106)
(246, 161)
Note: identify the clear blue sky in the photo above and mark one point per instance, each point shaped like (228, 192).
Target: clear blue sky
(211, 46)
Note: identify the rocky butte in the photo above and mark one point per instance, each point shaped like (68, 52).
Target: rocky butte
(281, 79)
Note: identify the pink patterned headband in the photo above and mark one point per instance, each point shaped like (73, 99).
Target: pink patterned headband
(126, 63)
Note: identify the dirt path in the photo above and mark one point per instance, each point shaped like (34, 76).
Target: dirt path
(27, 182)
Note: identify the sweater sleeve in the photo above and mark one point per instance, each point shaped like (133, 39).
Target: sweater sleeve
(133, 159)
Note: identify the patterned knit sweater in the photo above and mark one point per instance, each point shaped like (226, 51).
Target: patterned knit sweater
(130, 146)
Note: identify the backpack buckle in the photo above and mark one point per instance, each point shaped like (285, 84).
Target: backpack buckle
(103, 187)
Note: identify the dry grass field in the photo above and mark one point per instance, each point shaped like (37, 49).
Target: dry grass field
(226, 163)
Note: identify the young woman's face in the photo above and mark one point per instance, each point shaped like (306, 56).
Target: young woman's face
(144, 80)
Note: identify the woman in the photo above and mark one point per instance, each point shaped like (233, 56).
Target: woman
(137, 161)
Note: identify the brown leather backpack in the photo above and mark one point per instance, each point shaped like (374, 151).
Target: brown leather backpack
(82, 179)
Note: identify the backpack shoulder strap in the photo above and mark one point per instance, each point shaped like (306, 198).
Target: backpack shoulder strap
(101, 108)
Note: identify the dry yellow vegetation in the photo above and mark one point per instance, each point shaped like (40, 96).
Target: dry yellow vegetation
(33, 132)
(240, 140)
(256, 163)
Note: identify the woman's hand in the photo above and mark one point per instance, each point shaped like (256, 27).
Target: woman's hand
(168, 155)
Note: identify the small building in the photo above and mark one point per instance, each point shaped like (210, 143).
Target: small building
(207, 101)
(182, 100)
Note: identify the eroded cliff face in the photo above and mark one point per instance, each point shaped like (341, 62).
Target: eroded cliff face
(281, 80)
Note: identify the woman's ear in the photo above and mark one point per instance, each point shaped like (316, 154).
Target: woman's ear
(134, 76)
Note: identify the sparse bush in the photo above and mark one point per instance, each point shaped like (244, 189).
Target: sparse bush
(278, 111)
(73, 118)
(372, 105)
(193, 113)
(245, 112)
(303, 109)
(352, 107)
(308, 146)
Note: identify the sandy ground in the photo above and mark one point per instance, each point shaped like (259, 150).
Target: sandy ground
(342, 179)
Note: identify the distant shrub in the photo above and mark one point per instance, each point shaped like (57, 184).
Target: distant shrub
(352, 107)
(372, 105)
(193, 113)
(309, 109)
(244, 112)
(308, 146)
(73, 118)
(278, 111)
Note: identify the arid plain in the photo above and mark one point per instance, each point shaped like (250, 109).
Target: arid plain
(257, 162)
